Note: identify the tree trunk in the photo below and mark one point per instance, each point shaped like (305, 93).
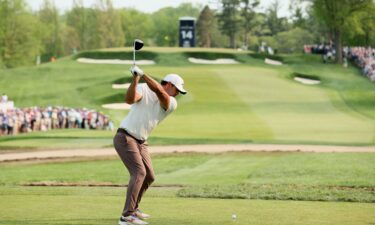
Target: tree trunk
(338, 46)
(232, 40)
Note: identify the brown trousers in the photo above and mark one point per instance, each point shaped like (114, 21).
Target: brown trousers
(137, 160)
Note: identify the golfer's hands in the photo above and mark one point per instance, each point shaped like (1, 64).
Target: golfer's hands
(136, 71)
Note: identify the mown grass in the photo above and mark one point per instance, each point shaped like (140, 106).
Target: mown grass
(81, 206)
(316, 188)
(280, 176)
(247, 103)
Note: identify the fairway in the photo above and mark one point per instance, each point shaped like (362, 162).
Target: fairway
(246, 103)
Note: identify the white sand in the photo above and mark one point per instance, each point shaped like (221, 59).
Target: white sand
(273, 62)
(121, 86)
(216, 61)
(122, 106)
(115, 61)
(306, 81)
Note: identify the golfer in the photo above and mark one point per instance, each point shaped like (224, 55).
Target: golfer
(151, 103)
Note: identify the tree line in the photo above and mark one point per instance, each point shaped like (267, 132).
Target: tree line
(25, 34)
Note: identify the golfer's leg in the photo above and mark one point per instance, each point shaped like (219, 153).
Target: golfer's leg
(129, 152)
(150, 175)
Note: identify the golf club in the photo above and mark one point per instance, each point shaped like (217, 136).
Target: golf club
(137, 45)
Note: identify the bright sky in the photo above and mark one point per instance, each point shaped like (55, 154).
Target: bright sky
(152, 5)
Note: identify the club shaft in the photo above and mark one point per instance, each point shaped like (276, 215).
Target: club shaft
(133, 56)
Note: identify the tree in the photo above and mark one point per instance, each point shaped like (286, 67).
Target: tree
(51, 36)
(135, 24)
(295, 9)
(70, 39)
(108, 24)
(248, 14)
(275, 23)
(19, 39)
(205, 27)
(165, 23)
(229, 20)
(77, 19)
(292, 41)
(335, 15)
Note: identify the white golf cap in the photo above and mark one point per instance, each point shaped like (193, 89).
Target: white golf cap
(177, 81)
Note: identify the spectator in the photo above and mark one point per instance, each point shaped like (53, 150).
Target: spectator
(15, 121)
(4, 98)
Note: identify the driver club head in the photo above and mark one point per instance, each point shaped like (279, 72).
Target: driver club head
(138, 44)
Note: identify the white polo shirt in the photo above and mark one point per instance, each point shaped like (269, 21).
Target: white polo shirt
(146, 114)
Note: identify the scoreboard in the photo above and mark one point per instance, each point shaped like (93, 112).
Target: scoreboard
(187, 32)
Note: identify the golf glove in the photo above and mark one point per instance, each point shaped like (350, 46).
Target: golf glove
(136, 71)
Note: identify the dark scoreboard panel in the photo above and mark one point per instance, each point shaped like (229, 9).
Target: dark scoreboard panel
(187, 32)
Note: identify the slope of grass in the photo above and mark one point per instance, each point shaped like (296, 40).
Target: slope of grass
(250, 102)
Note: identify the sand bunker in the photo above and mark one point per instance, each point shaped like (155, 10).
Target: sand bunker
(272, 62)
(216, 61)
(122, 106)
(121, 86)
(306, 81)
(115, 61)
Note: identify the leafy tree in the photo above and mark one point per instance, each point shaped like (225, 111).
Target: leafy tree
(229, 20)
(77, 19)
(275, 23)
(136, 24)
(335, 14)
(19, 39)
(205, 27)
(292, 41)
(296, 14)
(70, 38)
(108, 24)
(248, 15)
(166, 22)
(360, 28)
(84, 22)
(50, 27)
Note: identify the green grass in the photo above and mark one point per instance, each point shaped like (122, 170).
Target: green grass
(331, 188)
(247, 103)
(280, 176)
(81, 206)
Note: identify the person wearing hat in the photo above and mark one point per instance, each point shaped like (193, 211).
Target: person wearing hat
(151, 103)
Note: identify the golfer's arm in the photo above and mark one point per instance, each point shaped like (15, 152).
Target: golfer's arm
(131, 95)
(158, 90)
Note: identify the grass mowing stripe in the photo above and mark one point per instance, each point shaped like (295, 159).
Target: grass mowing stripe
(270, 99)
(287, 172)
(281, 192)
(93, 208)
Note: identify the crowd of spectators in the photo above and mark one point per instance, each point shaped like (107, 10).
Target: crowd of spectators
(364, 58)
(14, 121)
(327, 50)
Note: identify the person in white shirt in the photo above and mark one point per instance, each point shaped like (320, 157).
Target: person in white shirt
(151, 103)
(4, 98)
